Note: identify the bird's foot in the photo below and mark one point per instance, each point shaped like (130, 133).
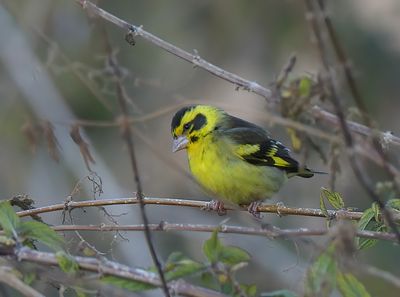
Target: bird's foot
(215, 205)
(279, 205)
(253, 209)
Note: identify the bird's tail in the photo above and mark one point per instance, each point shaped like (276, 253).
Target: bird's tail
(307, 173)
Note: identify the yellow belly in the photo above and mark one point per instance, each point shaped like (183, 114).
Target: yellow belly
(230, 178)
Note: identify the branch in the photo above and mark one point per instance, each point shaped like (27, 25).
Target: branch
(126, 131)
(9, 278)
(106, 267)
(270, 232)
(386, 137)
(347, 136)
(267, 208)
(196, 60)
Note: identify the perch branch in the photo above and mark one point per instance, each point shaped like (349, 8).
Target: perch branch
(267, 208)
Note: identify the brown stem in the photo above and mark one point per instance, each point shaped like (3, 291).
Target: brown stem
(106, 267)
(126, 131)
(267, 208)
(192, 58)
(333, 96)
(271, 233)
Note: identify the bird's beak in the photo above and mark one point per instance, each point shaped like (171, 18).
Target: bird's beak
(180, 143)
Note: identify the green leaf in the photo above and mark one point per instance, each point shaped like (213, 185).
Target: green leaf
(366, 217)
(227, 288)
(178, 266)
(364, 243)
(127, 284)
(212, 247)
(29, 278)
(175, 257)
(321, 275)
(42, 233)
(9, 220)
(80, 292)
(67, 263)
(322, 205)
(232, 255)
(350, 286)
(367, 222)
(376, 211)
(208, 280)
(279, 293)
(250, 290)
(334, 198)
(305, 87)
(394, 203)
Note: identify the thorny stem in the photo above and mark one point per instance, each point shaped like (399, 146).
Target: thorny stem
(195, 59)
(270, 232)
(105, 267)
(267, 208)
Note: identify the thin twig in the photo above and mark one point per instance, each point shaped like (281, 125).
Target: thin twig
(333, 95)
(355, 92)
(385, 275)
(126, 131)
(191, 58)
(271, 233)
(9, 278)
(106, 267)
(332, 119)
(267, 208)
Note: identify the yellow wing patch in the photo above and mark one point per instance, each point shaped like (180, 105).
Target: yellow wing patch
(247, 149)
(279, 162)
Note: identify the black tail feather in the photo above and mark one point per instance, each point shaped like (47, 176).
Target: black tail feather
(307, 173)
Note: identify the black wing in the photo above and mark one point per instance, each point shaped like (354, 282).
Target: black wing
(254, 145)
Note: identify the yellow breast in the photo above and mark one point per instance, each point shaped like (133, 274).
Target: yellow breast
(224, 174)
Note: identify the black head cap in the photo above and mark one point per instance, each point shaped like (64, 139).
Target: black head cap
(176, 120)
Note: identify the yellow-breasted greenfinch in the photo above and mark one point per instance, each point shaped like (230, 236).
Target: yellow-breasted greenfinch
(232, 159)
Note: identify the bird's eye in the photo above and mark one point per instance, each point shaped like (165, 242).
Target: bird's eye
(186, 126)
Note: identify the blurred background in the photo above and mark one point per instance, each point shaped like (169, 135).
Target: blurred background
(53, 68)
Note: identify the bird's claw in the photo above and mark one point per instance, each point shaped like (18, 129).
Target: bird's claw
(215, 205)
(253, 209)
(279, 204)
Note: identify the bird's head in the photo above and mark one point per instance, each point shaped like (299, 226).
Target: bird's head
(190, 124)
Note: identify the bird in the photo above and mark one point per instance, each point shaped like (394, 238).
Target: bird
(235, 161)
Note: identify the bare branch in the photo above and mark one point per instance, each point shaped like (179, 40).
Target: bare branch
(267, 208)
(126, 132)
(270, 232)
(8, 277)
(197, 60)
(106, 267)
(334, 98)
(386, 137)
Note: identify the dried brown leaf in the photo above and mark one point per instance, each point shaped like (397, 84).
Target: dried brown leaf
(52, 143)
(83, 146)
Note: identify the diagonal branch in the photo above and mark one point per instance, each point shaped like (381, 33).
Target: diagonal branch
(106, 267)
(197, 61)
(8, 277)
